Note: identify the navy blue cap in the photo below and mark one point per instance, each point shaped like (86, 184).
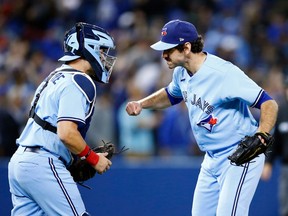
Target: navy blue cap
(174, 33)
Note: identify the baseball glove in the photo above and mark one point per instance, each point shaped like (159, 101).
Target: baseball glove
(81, 170)
(250, 147)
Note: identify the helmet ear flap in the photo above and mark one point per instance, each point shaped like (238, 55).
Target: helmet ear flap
(80, 38)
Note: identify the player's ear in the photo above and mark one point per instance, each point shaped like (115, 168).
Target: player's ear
(187, 47)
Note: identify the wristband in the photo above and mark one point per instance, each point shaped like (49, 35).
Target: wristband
(89, 155)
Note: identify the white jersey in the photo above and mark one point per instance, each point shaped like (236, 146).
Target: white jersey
(57, 103)
(218, 97)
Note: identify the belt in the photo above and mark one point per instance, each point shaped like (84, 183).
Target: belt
(34, 149)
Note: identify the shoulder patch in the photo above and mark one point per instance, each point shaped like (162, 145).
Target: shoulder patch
(86, 86)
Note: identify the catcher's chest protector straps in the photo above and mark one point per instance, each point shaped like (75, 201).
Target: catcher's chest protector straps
(86, 86)
(44, 124)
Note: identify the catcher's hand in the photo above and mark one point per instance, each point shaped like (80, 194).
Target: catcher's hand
(81, 170)
(250, 147)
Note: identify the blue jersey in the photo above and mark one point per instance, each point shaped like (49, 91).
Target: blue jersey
(69, 95)
(218, 98)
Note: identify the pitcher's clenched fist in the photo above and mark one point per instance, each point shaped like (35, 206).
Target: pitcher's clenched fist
(133, 108)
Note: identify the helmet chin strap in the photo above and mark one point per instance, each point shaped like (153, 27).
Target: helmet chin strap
(105, 77)
(95, 66)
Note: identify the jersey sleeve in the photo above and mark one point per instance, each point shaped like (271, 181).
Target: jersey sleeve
(173, 89)
(238, 85)
(77, 99)
(72, 105)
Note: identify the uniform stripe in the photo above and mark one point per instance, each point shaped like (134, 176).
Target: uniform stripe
(71, 119)
(62, 187)
(257, 99)
(238, 192)
(173, 99)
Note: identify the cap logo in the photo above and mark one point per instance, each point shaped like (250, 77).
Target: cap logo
(181, 39)
(164, 32)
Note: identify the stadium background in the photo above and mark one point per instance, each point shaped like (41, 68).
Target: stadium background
(250, 33)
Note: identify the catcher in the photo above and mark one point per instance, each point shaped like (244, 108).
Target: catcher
(60, 115)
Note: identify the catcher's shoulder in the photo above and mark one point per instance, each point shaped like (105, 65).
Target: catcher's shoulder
(85, 85)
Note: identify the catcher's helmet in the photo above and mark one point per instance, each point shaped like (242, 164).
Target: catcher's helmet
(93, 44)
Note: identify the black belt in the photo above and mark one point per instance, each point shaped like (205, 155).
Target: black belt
(34, 149)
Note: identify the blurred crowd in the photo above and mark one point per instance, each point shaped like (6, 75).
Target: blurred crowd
(253, 34)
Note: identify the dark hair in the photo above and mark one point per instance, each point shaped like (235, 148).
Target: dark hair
(196, 46)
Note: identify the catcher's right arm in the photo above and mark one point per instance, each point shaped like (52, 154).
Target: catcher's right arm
(250, 147)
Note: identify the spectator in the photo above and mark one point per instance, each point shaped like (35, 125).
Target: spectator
(9, 131)
(136, 133)
(174, 133)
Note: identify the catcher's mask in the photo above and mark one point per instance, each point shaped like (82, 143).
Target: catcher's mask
(93, 44)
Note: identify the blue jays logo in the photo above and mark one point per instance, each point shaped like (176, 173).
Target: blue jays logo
(164, 32)
(208, 123)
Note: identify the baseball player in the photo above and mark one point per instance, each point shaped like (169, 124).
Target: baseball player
(63, 105)
(218, 96)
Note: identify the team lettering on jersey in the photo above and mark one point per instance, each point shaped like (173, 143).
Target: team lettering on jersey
(202, 104)
(57, 77)
(208, 122)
